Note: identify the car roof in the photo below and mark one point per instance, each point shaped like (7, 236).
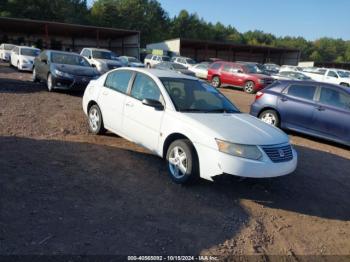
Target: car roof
(62, 52)
(97, 49)
(160, 73)
(344, 88)
(29, 47)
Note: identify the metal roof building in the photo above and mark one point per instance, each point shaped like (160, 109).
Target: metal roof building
(202, 50)
(72, 37)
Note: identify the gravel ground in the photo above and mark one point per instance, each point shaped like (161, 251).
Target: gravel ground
(65, 191)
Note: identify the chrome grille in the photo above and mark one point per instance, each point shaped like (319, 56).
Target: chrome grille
(279, 153)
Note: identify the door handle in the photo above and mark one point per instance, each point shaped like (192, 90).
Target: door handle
(129, 104)
(320, 108)
(283, 99)
(105, 93)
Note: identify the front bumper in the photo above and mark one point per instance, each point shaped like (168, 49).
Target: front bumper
(213, 163)
(76, 83)
(26, 66)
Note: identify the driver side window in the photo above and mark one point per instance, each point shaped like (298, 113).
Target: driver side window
(332, 74)
(145, 88)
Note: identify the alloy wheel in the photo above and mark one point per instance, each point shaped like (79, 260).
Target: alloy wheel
(269, 118)
(94, 119)
(178, 162)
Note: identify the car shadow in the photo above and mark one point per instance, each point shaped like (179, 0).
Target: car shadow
(62, 197)
(8, 85)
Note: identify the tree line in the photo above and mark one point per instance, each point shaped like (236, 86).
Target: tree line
(156, 25)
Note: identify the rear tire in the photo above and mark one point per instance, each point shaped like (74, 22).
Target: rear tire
(270, 117)
(148, 66)
(182, 161)
(95, 120)
(216, 82)
(249, 87)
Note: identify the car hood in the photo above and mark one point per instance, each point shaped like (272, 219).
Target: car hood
(185, 72)
(109, 61)
(135, 64)
(28, 58)
(237, 128)
(262, 76)
(77, 70)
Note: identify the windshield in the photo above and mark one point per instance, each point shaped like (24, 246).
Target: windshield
(165, 58)
(68, 59)
(252, 69)
(29, 52)
(8, 47)
(190, 61)
(343, 74)
(102, 55)
(196, 96)
(134, 60)
(302, 76)
(178, 66)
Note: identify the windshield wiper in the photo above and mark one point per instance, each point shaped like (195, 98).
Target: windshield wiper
(218, 110)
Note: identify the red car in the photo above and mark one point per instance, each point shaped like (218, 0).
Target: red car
(243, 75)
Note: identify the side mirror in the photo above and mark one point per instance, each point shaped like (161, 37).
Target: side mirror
(89, 56)
(153, 103)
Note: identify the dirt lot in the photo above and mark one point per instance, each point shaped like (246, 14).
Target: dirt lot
(65, 191)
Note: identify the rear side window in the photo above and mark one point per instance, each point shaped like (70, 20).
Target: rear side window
(335, 98)
(145, 88)
(118, 80)
(227, 68)
(302, 91)
(215, 66)
(332, 74)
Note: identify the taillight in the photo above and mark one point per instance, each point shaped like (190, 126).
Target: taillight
(258, 95)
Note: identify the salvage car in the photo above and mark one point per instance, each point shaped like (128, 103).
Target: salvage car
(185, 61)
(243, 75)
(174, 67)
(152, 60)
(63, 70)
(189, 123)
(5, 51)
(22, 57)
(200, 70)
(313, 108)
(103, 59)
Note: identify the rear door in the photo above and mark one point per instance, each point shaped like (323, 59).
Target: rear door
(226, 74)
(142, 123)
(296, 106)
(112, 97)
(332, 116)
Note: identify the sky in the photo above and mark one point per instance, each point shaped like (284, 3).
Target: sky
(310, 19)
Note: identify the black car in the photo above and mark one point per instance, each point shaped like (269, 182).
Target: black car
(174, 67)
(63, 70)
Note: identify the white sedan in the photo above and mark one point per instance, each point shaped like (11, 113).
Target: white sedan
(23, 57)
(187, 122)
(200, 70)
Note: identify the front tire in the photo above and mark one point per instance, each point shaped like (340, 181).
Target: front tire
(182, 162)
(216, 82)
(34, 76)
(270, 117)
(249, 87)
(95, 120)
(49, 83)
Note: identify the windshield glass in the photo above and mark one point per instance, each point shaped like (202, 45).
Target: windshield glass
(178, 66)
(190, 61)
(343, 74)
(69, 59)
(102, 54)
(196, 96)
(8, 47)
(252, 69)
(165, 58)
(29, 52)
(302, 76)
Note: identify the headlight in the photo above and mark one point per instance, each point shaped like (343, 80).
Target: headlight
(63, 74)
(245, 151)
(25, 61)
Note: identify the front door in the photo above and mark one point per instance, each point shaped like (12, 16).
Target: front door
(142, 123)
(333, 113)
(297, 106)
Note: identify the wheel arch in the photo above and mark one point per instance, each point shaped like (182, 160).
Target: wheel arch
(90, 104)
(171, 138)
(270, 108)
